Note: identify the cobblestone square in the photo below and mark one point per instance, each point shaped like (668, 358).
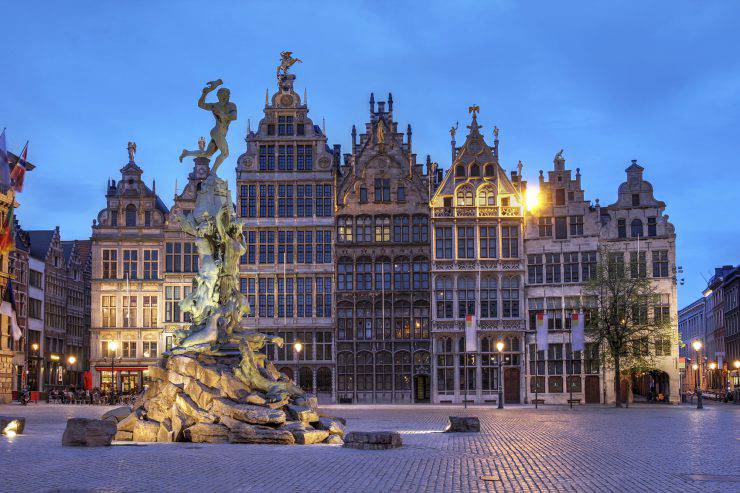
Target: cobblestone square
(644, 448)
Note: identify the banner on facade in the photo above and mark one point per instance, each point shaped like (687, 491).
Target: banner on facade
(541, 331)
(471, 334)
(577, 328)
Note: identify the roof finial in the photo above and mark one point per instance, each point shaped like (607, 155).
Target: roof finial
(131, 147)
(267, 97)
(390, 102)
(453, 131)
(372, 102)
(305, 97)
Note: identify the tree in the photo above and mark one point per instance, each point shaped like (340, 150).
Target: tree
(618, 302)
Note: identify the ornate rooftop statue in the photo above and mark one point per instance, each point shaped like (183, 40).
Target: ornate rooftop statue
(224, 111)
(131, 147)
(453, 130)
(286, 61)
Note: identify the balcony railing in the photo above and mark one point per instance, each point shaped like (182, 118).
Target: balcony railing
(475, 211)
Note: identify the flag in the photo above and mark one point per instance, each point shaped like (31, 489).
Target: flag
(7, 233)
(471, 334)
(541, 331)
(576, 328)
(19, 171)
(7, 308)
(4, 170)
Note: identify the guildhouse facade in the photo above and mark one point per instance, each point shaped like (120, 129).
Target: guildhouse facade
(477, 272)
(285, 196)
(383, 266)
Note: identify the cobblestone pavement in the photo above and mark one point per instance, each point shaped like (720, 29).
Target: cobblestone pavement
(644, 448)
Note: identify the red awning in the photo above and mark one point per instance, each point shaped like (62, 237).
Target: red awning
(122, 368)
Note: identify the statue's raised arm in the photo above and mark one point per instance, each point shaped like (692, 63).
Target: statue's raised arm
(224, 111)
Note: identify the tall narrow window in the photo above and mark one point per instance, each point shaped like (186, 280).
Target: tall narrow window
(130, 264)
(130, 215)
(652, 226)
(465, 296)
(443, 242)
(488, 297)
(636, 228)
(488, 241)
(420, 229)
(509, 241)
(535, 269)
(465, 242)
(621, 228)
(510, 296)
(151, 264)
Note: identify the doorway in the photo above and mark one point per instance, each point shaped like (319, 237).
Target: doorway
(421, 388)
(592, 389)
(511, 385)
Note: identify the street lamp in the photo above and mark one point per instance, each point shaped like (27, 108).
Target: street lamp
(297, 347)
(71, 360)
(697, 347)
(112, 347)
(500, 348)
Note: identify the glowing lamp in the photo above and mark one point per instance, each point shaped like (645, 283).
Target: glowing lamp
(737, 363)
(695, 366)
(712, 365)
(147, 354)
(500, 346)
(297, 346)
(71, 360)
(35, 346)
(112, 345)
(696, 345)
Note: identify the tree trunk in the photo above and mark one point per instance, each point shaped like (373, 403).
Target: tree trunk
(617, 382)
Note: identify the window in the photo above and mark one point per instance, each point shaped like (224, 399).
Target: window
(635, 199)
(402, 320)
(151, 264)
(110, 264)
(285, 200)
(114, 218)
(490, 170)
(638, 265)
(510, 296)
(363, 195)
(149, 311)
(271, 129)
(36, 278)
(305, 158)
(129, 311)
(560, 196)
(570, 267)
(636, 228)
(545, 227)
(285, 158)
(267, 247)
(488, 297)
(465, 242)
(662, 313)
(576, 225)
(443, 242)
(109, 311)
(248, 287)
(267, 158)
(588, 265)
(323, 300)
(172, 297)
(285, 125)
(364, 371)
(130, 215)
(421, 274)
(652, 226)
(660, 263)
(475, 170)
(552, 268)
(465, 296)
(173, 257)
(323, 347)
(445, 366)
(487, 197)
(443, 296)
(345, 314)
(130, 264)
(323, 246)
(401, 275)
(34, 309)
(555, 363)
(285, 247)
(621, 228)
(305, 246)
(267, 201)
(323, 200)
(345, 275)
(420, 229)
(364, 323)
(561, 228)
(285, 296)
(465, 198)
(616, 264)
(487, 242)
(662, 346)
(401, 194)
(345, 372)
(248, 201)
(401, 229)
(535, 269)
(363, 275)
(383, 274)
(150, 349)
(345, 229)
(304, 200)
(460, 171)
(509, 241)
(128, 349)
(266, 297)
(383, 371)
(250, 256)
(382, 190)
(382, 229)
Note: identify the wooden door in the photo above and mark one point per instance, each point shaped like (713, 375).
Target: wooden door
(422, 388)
(592, 389)
(511, 385)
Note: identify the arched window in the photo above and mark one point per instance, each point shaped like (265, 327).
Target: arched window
(345, 372)
(306, 378)
(402, 320)
(364, 275)
(445, 366)
(490, 170)
(460, 171)
(345, 314)
(363, 229)
(486, 197)
(475, 170)
(465, 296)
(636, 228)
(130, 215)
(364, 322)
(383, 371)
(421, 273)
(323, 379)
(402, 360)
(422, 358)
(464, 197)
(364, 371)
(443, 297)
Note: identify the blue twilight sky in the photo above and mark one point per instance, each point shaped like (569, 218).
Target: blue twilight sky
(654, 81)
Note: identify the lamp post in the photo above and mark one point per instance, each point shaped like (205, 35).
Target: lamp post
(297, 347)
(697, 347)
(71, 360)
(112, 347)
(500, 347)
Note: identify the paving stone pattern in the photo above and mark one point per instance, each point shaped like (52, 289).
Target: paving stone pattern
(644, 448)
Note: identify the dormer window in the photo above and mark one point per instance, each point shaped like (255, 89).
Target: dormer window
(285, 125)
(635, 199)
(464, 198)
(475, 170)
(363, 195)
(621, 228)
(130, 215)
(460, 171)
